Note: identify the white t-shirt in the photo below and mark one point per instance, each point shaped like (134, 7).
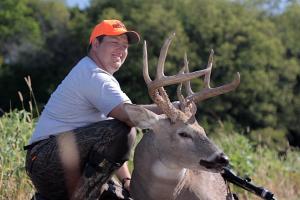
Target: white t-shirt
(86, 95)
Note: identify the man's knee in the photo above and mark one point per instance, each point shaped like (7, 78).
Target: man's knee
(128, 139)
(132, 136)
(121, 147)
(118, 149)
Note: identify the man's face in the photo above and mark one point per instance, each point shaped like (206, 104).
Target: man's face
(112, 52)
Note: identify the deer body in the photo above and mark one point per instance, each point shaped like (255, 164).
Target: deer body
(175, 159)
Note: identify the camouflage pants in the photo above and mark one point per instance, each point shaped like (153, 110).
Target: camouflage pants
(75, 164)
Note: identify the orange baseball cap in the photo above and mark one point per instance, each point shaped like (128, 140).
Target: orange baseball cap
(111, 28)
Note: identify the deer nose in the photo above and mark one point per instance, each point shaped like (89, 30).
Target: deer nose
(222, 159)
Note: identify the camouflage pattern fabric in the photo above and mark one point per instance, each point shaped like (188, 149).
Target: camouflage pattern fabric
(102, 147)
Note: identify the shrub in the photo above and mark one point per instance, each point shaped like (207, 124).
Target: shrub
(261, 162)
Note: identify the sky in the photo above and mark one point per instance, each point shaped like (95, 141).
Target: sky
(79, 3)
(84, 3)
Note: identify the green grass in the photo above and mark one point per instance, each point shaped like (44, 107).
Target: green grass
(281, 175)
(263, 164)
(15, 129)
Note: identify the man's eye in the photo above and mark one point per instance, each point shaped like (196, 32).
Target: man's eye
(184, 135)
(117, 44)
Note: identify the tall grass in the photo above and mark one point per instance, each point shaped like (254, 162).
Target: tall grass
(264, 165)
(281, 175)
(15, 129)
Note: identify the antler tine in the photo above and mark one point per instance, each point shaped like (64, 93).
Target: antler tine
(170, 80)
(179, 87)
(211, 92)
(145, 65)
(187, 84)
(158, 94)
(208, 92)
(209, 66)
(162, 57)
(188, 107)
(161, 80)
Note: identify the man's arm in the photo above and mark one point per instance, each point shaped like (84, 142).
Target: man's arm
(154, 108)
(119, 112)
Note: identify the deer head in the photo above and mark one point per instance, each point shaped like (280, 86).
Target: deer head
(180, 141)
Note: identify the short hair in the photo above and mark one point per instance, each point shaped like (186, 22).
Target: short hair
(100, 39)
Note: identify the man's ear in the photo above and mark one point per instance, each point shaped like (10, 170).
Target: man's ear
(141, 117)
(95, 43)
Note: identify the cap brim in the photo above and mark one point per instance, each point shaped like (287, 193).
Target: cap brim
(133, 37)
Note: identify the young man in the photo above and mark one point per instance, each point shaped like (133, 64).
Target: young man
(84, 134)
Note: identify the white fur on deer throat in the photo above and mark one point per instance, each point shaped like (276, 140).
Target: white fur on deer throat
(160, 170)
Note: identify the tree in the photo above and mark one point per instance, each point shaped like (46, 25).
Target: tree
(244, 41)
(59, 48)
(19, 30)
(288, 30)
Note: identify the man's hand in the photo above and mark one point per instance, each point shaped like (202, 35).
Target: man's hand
(124, 176)
(126, 183)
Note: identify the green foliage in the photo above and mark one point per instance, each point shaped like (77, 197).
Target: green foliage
(243, 42)
(15, 130)
(288, 29)
(62, 41)
(19, 31)
(271, 138)
(259, 161)
(239, 149)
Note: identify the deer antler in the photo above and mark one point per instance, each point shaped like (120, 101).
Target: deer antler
(155, 87)
(159, 95)
(208, 92)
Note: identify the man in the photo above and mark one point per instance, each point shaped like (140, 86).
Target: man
(84, 134)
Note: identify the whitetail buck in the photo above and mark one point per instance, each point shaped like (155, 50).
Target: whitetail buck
(175, 159)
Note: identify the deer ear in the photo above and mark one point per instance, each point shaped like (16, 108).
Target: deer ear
(141, 117)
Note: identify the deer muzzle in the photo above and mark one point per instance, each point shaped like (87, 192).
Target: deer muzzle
(217, 162)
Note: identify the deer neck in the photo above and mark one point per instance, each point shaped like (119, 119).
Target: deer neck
(152, 178)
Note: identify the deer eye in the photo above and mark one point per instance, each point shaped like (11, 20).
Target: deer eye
(184, 135)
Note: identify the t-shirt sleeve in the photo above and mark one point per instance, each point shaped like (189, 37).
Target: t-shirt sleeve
(104, 93)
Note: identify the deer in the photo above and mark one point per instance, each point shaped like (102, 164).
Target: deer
(175, 159)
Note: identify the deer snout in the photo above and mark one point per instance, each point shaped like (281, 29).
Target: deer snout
(215, 162)
(222, 159)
